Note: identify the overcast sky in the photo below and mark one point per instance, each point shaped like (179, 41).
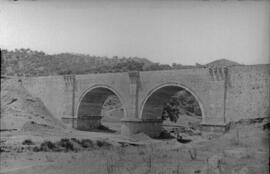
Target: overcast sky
(184, 32)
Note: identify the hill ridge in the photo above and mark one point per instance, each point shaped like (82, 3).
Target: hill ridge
(26, 62)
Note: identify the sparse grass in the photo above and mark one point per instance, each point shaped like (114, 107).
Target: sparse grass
(148, 158)
(157, 158)
(236, 139)
(179, 169)
(110, 165)
(48, 158)
(120, 151)
(149, 161)
(192, 153)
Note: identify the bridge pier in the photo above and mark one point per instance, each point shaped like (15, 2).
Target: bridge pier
(151, 128)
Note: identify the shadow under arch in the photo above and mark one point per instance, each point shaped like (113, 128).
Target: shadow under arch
(152, 106)
(92, 99)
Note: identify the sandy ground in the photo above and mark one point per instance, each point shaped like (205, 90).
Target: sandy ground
(245, 147)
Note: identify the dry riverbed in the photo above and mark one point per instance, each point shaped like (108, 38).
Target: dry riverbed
(244, 149)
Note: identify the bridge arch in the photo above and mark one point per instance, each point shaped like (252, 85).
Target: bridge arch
(92, 99)
(153, 102)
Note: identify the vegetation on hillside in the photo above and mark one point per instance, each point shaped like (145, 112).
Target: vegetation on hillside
(26, 62)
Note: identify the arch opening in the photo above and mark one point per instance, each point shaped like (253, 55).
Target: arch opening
(101, 104)
(176, 105)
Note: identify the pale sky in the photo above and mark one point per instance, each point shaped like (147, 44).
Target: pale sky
(169, 31)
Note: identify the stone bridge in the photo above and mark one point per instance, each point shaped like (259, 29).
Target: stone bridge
(224, 95)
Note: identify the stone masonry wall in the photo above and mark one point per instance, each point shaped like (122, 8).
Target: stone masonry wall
(248, 92)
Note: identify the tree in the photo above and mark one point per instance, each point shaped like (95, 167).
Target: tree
(176, 66)
(183, 103)
(152, 67)
(171, 110)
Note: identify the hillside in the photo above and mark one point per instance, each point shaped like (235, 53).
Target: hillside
(26, 62)
(36, 63)
(221, 63)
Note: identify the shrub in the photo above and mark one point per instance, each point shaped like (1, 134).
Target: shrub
(4, 149)
(86, 143)
(76, 140)
(66, 144)
(36, 149)
(164, 134)
(103, 143)
(28, 142)
(47, 146)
